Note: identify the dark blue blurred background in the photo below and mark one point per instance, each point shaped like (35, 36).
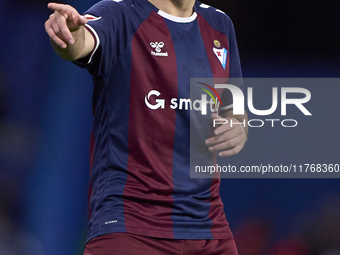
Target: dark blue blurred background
(45, 123)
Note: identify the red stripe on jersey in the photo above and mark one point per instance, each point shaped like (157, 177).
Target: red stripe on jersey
(149, 186)
(209, 35)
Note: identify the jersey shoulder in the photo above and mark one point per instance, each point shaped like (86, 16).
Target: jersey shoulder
(120, 9)
(216, 18)
(110, 6)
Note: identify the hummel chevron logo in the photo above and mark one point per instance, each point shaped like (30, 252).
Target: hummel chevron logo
(158, 47)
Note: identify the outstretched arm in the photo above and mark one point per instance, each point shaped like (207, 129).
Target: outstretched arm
(68, 36)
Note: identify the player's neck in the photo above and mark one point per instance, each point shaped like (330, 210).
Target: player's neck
(179, 8)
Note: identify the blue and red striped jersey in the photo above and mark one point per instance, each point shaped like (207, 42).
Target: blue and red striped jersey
(140, 144)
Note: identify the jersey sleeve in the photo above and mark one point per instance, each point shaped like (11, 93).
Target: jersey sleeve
(105, 21)
(235, 77)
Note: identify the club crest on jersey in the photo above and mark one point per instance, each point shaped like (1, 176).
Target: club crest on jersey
(221, 54)
(91, 17)
(158, 47)
(217, 44)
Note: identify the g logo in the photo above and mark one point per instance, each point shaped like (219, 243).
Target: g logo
(160, 103)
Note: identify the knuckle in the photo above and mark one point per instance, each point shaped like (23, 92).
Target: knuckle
(50, 33)
(225, 137)
(54, 38)
(65, 31)
(228, 144)
(69, 8)
(60, 18)
(214, 139)
(218, 140)
(217, 148)
(55, 28)
(235, 150)
(232, 151)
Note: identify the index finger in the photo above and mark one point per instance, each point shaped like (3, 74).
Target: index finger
(62, 8)
(54, 6)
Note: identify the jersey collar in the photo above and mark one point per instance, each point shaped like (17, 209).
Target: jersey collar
(177, 19)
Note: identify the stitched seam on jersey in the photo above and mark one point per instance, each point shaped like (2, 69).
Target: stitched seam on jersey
(107, 172)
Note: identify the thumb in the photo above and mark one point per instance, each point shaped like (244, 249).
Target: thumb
(75, 21)
(81, 20)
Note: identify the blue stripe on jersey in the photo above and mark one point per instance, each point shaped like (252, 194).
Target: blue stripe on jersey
(189, 194)
(111, 207)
